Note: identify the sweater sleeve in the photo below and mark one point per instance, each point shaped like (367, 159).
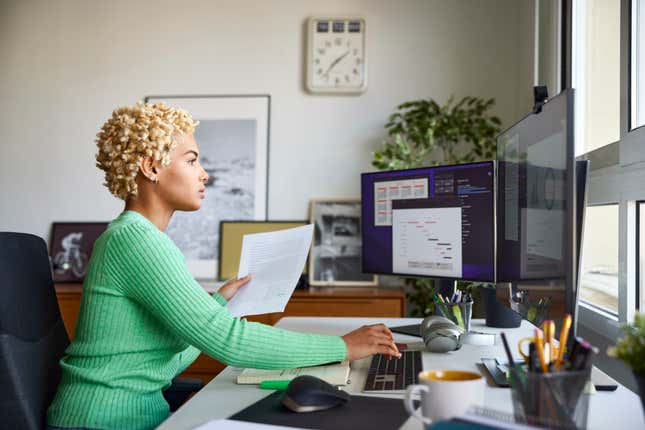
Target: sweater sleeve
(150, 269)
(187, 357)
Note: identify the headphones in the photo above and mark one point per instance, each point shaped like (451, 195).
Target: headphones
(440, 334)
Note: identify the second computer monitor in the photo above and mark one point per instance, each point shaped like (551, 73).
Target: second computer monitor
(435, 222)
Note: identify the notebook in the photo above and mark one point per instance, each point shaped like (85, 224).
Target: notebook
(335, 374)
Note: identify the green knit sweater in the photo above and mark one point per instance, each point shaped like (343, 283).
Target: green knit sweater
(143, 320)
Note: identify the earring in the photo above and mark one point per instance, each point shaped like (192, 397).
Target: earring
(154, 179)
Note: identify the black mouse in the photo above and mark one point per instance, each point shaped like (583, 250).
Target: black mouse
(308, 394)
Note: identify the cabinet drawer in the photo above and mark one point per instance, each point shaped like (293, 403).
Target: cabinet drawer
(391, 308)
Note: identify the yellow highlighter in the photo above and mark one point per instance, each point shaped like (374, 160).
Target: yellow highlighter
(564, 334)
(551, 340)
(539, 346)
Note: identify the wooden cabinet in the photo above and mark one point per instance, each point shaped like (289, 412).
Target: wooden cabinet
(323, 302)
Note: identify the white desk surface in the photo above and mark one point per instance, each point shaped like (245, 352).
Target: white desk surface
(221, 398)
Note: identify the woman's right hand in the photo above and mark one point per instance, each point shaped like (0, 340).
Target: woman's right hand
(369, 340)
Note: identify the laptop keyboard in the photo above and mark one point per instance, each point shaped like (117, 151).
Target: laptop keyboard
(395, 374)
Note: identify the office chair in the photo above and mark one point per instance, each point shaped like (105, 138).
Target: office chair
(33, 337)
(32, 334)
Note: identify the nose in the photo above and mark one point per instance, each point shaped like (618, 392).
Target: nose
(205, 176)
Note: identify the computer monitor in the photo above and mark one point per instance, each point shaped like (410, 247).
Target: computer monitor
(430, 222)
(537, 223)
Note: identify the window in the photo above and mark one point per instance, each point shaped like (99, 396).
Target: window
(641, 256)
(599, 281)
(596, 73)
(637, 72)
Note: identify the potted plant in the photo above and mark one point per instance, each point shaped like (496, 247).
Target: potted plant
(424, 133)
(630, 348)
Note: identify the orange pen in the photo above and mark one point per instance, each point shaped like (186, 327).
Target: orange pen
(539, 346)
(564, 334)
(552, 351)
(546, 345)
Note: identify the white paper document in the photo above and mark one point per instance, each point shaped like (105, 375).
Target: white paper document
(275, 261)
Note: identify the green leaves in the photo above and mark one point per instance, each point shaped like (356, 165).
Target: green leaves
(423, 133)
(631, 347)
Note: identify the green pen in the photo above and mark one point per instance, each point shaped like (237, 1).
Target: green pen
(274, 385)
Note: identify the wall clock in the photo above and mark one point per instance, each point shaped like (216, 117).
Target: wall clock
(336, 55)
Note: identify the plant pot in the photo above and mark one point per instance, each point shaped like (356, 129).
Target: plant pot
(640, 380)
(498, 315)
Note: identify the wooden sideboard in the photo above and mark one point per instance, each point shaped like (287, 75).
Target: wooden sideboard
(328, 302)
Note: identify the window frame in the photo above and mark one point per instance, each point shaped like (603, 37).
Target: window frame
(631, 146)
(589, 305)
(616, 171)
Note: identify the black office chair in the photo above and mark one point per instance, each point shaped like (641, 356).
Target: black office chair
(32, 334)
(33, 337)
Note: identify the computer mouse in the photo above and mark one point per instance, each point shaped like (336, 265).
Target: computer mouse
(440, 334)
(309, 394)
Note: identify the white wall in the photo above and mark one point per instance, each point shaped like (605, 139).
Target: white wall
(64, 65)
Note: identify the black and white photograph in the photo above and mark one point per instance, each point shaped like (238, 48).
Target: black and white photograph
(71, 247)
(335, 258)
(233, 141)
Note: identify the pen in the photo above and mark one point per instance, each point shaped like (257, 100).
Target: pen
(584, 352)
(274, 384)
(552, 351)
(539, 346)
(564, 334)
(511, 362)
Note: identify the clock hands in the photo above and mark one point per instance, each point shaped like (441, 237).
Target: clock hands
(336, 61)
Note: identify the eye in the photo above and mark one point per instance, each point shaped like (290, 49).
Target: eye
(192, 162)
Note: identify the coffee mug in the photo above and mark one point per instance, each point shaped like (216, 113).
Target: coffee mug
(445, 394)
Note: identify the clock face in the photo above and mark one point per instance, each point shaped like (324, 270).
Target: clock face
(336, 60)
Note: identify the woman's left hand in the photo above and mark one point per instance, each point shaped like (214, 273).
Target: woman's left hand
(229, 289)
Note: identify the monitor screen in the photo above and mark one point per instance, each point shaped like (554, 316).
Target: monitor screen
(433, 221)
(539, 197)
(230, 241)
(535, 205)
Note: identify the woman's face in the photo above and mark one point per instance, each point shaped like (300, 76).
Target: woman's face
(181, 183)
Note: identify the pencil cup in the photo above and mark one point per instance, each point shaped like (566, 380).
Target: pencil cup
(552, 400)
(459, 313)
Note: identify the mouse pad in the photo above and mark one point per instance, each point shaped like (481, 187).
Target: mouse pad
(361, 412)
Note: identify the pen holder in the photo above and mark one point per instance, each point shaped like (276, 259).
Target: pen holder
(459, 313)
(552, 400)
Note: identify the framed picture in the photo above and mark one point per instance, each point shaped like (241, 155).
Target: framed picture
(335, 256)
(71, 247)
(233, 140)
(231, 235)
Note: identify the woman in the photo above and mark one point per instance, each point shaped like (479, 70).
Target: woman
(143, 318)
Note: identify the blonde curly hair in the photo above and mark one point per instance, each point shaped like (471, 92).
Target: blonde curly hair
(133, 132)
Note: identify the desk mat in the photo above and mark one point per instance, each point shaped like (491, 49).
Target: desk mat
(360, 413)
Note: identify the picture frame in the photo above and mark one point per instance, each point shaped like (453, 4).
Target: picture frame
(335, 255)
(71, 247)
(233, 137)
(231, 236)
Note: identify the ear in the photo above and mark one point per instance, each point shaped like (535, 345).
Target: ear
(149, 167)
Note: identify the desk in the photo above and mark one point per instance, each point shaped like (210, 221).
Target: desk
(221, 398)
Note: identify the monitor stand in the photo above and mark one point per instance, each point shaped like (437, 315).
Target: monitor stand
(445, 287)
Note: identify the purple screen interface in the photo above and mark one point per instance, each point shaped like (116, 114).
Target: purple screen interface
(435, 222)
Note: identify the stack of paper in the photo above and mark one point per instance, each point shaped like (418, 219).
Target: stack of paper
(275, 261)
